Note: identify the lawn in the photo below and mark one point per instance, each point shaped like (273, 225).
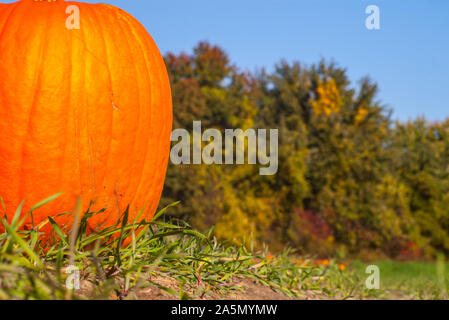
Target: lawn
(408, 280)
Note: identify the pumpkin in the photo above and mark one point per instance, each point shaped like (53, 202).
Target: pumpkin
(84, 111)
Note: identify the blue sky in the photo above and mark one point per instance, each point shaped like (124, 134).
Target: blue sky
(408, 57)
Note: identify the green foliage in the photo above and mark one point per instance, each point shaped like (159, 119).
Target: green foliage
(344, 167)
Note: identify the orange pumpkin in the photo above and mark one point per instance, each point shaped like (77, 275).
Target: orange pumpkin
(86, 112)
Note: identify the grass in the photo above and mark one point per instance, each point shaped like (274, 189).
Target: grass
(170, 257)
(157, 250)
(409, 280)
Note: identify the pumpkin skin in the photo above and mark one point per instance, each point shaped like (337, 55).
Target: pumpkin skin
(86, 112)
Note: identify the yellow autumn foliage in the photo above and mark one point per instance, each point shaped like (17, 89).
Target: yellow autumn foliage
(361, 115)
(244, 218)
(329, 99)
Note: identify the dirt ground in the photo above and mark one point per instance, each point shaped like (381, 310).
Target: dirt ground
(248, 290)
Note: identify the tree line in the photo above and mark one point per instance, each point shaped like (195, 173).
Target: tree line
(350, 179)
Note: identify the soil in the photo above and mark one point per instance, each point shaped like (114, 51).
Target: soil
(248, 290)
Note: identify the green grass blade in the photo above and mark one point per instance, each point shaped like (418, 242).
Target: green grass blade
(16, 238)
(3, 203)
(160, 213)
(58, 231)
(44, 202)
(16, 217)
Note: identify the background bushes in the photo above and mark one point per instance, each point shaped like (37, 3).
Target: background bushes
(349, 177)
